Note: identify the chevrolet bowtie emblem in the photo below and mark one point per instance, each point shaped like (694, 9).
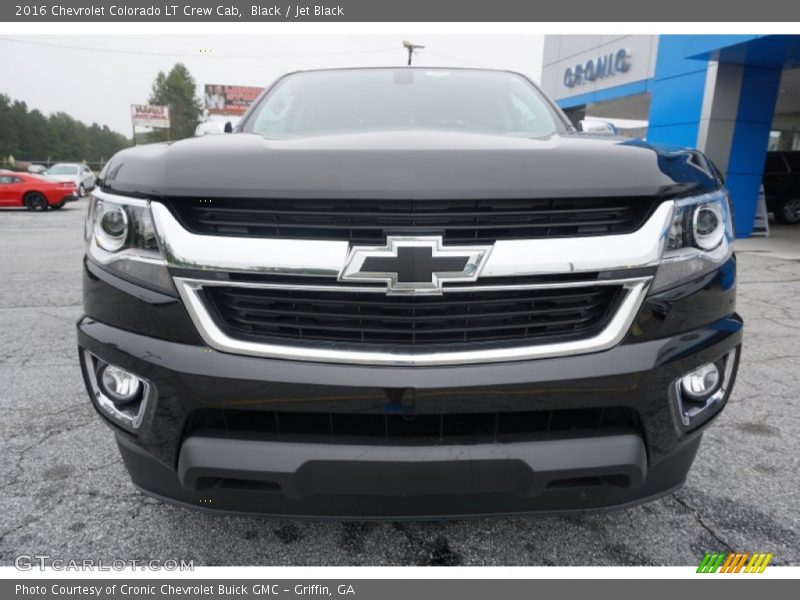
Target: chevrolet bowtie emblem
(414, 265)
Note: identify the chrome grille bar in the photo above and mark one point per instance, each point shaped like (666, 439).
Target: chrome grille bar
(190, 291)
(183, 249)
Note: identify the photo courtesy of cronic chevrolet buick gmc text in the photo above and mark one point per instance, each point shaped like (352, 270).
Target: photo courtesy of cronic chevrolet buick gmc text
(408, 292)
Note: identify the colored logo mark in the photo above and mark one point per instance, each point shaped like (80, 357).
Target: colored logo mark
(734, 562)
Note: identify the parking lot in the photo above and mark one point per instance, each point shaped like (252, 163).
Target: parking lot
(65, 492)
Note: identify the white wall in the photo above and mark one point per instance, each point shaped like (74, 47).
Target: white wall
(563, 51)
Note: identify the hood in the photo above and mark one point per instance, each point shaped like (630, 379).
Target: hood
(409, 165)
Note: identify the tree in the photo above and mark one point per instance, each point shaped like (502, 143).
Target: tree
(176, 90)
(9, 129)
(29, 136)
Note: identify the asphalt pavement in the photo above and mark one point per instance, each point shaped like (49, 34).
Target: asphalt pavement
(64, 491)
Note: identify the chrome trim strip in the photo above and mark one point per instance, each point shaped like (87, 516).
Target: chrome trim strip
(183, 249)
(189, 290)
(380, 290)
(642, 248)
(187, 250)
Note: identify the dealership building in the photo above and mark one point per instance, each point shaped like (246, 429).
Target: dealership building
(732, 96)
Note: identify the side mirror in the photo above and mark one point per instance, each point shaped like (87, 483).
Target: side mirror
(597, 126)
(228, 127)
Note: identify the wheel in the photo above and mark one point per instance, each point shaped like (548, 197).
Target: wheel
(81, 191)
(35, 201)
(789, 211)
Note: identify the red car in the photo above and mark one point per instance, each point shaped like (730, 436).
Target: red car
(34, 191)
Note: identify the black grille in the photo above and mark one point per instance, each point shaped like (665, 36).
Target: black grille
(375, 318)
(425, 428)
(369, 221)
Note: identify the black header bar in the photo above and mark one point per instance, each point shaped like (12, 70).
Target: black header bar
(398, 11)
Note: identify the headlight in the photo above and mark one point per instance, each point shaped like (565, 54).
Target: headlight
(698, 240)
(121, 238)
(111, 226)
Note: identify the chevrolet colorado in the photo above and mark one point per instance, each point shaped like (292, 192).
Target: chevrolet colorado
(408, 293)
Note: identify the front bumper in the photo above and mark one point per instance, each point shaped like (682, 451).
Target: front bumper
(345, 477)
(410, 482)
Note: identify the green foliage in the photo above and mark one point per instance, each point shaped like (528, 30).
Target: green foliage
(28, 135)
(176, 89)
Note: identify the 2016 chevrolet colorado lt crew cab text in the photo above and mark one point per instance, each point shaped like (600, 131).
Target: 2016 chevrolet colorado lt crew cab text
(408, 293)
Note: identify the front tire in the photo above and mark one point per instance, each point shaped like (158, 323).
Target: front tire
(35, 201)
(82, 191)
(789, 211)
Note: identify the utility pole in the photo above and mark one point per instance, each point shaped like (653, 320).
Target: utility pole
(133, 124)
(411, 49)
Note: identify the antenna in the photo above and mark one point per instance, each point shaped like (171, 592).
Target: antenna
(411, 49)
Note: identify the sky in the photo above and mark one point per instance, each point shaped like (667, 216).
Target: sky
(95, 78)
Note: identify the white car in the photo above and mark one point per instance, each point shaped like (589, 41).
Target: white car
(214, 126)
(80, 175)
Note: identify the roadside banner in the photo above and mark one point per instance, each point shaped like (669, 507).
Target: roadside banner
(229, 99)
(149, 115)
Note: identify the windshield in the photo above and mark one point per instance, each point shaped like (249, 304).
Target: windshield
(336, 102)
(63, 170)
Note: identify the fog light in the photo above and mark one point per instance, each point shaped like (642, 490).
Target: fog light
(120, 395)
(701, 393)
(119, 385)
(701, 382)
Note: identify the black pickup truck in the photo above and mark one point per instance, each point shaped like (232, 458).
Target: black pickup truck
(408, 293)
(782, 185)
